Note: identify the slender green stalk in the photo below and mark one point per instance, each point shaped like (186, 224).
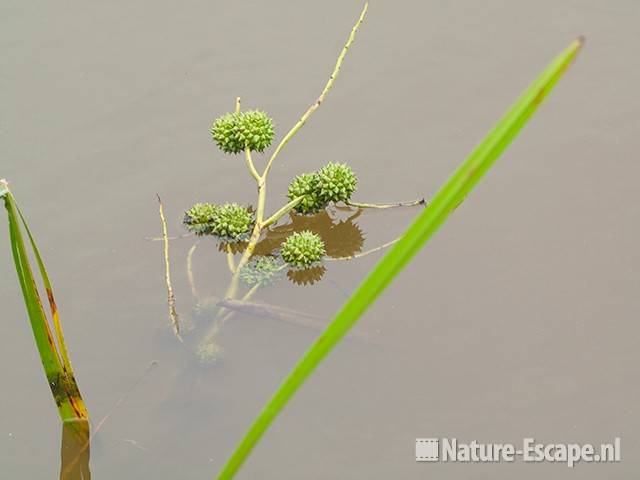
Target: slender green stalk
(320, 99)
(230, 260)
(51, 345)
(257, 228)
(448, 198)
(282, 212)
(252, 169)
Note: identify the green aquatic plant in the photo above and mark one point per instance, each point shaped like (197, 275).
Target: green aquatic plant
(452, 193)
(49, 342)
(240, 230)
(309, 193)
(303, 249)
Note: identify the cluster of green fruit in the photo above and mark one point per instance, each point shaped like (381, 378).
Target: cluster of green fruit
(335, 182)
(231, 222)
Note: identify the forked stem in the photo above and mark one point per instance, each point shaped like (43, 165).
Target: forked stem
(261, 180)
(282, 212)
(252, 169)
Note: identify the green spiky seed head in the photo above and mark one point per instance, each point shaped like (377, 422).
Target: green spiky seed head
(303, 249)
(199, 218)
(223, 132)
(232, 222)
(336, 182)
(260, 271)
(306, 186)
(257, 129)
(233, 132)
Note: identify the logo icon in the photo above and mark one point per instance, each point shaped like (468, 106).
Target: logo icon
(427, 449)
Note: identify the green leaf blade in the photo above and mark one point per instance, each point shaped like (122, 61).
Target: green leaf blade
(57, 369)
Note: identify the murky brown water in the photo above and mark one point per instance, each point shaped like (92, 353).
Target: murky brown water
(519, 319)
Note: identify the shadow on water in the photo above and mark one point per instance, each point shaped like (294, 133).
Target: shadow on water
(342, 236)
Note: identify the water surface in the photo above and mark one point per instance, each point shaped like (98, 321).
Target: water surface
(519, 319)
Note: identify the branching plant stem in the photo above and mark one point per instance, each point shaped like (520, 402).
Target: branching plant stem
(261, 180)
(252, 169)
(282, 212)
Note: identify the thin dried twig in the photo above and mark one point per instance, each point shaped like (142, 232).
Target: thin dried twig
(171, 299)
(413, 203)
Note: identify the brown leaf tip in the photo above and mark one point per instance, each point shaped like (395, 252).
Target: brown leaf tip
(581, 41)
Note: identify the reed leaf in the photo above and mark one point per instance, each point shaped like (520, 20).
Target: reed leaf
(51, 345)
(447, 199)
